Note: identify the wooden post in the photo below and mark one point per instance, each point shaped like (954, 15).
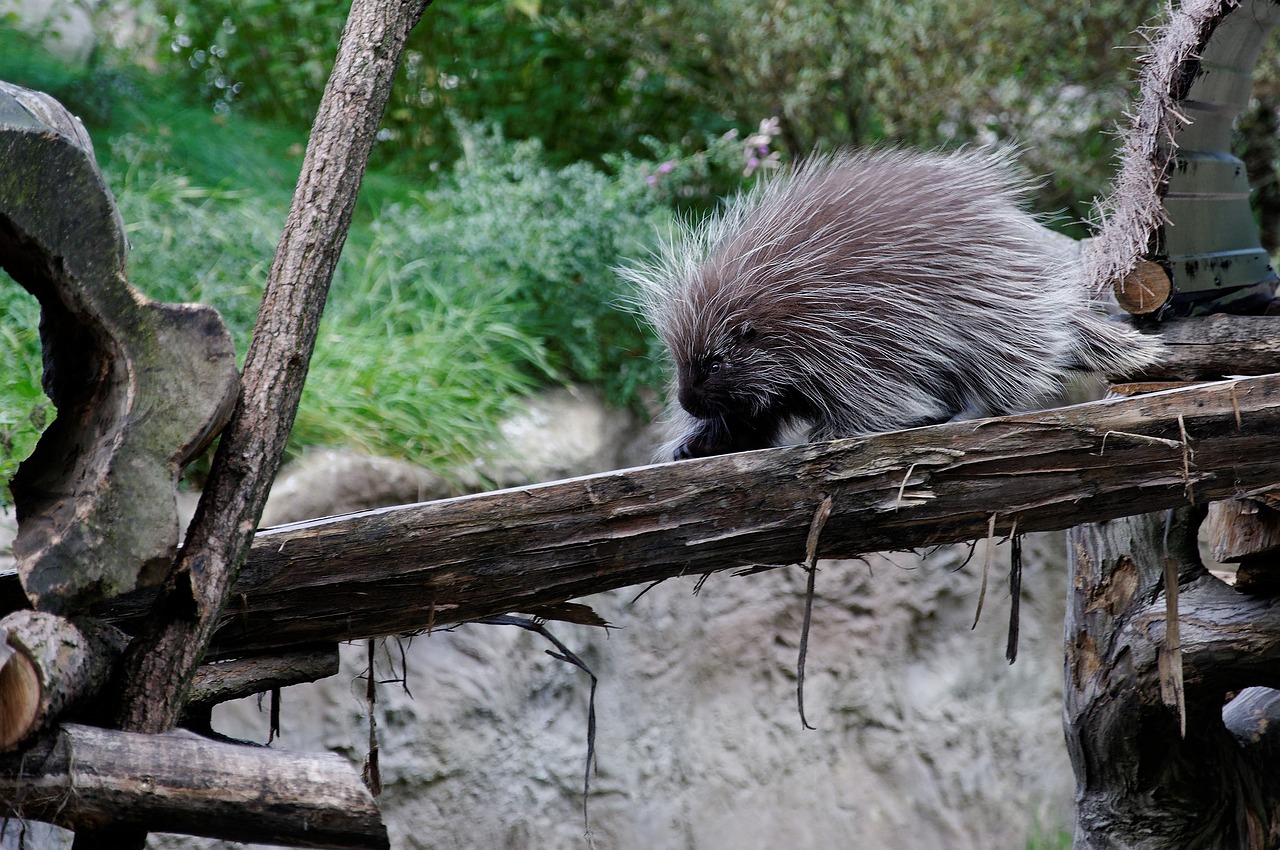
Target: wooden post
(1141, 783)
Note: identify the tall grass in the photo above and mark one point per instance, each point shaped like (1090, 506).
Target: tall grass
(24, 408)
(415, 367)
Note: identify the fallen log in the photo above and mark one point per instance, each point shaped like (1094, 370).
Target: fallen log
(416, 567)
(83, 778)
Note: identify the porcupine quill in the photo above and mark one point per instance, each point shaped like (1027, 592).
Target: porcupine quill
(870, 291)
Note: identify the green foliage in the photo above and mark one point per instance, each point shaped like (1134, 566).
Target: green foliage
(590, 79)
(24, 409)
(414, 368)
(447, 305)
(404, 364)
(492, 61)
(550, 237)
(919, 72)
(275, 56)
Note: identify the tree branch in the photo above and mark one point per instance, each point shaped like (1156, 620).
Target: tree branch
(416, 567)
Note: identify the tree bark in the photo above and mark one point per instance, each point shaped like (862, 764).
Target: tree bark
(140, 386)
(1140, 782)
(103, 782)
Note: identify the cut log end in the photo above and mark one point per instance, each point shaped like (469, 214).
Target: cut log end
(1144, 290)
(47, 665)
(20, 697)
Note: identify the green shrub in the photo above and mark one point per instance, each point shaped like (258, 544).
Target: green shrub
(591, 79)
(553, 236)
(24, 408)
(410, 362)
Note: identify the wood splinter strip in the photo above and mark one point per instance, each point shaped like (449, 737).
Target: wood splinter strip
(986, 570)
(820, 517)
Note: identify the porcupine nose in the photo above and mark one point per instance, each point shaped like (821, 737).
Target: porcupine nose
(691, 400)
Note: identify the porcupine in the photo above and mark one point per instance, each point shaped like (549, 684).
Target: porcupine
(870, 291)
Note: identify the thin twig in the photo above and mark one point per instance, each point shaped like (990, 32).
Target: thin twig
(903, 486)
(1186, 459)
(986, 570)
(1146, 438)
(372, 774)
(820, 517)
(274, 731)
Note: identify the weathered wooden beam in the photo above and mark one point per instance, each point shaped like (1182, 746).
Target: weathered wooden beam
(85, 778)
(1218, 346)
(410, 568)
(243, 677)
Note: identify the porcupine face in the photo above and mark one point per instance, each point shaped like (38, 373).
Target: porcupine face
(717, 382)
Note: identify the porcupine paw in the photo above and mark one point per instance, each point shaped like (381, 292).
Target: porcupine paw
(694, 446)
(708, 440)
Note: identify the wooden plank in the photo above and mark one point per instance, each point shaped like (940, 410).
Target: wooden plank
(410, 568)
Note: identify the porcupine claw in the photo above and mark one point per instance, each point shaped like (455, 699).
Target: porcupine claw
(708, 439)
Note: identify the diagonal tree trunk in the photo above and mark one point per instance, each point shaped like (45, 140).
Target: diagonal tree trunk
(158, 668)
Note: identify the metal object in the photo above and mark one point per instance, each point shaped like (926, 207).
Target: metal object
(1210, 244)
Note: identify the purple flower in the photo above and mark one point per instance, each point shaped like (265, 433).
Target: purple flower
(667, 167)
(652, 180)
